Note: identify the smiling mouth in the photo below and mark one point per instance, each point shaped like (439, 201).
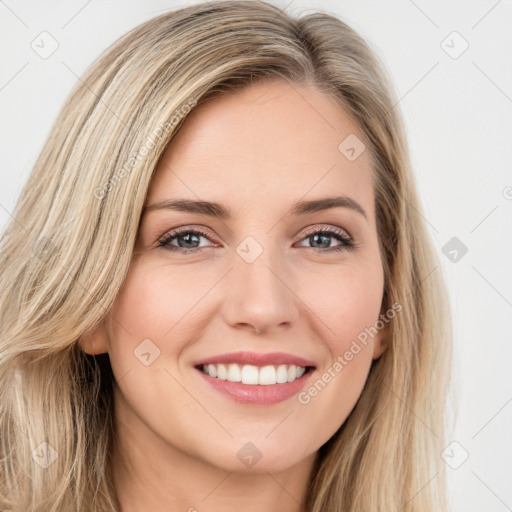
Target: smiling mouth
(255, 375)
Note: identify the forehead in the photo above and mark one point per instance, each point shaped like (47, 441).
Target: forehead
(273, 141)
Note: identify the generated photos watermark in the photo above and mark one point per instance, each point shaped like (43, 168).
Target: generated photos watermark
(344, 359)
(137, 156)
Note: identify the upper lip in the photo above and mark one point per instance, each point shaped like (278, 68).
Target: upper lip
(256, 359)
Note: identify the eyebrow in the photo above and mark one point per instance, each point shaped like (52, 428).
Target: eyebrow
(219, 211)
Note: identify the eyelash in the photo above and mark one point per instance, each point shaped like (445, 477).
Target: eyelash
(346, 241)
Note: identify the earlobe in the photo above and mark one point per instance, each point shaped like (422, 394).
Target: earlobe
(379, 348)
(380, 343)
(95, 341)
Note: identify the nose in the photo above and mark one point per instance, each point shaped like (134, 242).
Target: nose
(260, 295)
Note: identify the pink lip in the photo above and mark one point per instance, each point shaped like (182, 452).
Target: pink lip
(258, 394)
(273, 358)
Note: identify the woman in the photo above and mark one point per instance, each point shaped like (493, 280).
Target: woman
(228, 299)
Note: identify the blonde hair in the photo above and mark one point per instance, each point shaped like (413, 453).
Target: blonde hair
(65, 256)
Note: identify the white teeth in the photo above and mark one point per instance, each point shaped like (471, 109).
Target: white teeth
(234, 373)
(249, 374)
(252, 375)
(267, 375)
(282, 374)
(222, 372)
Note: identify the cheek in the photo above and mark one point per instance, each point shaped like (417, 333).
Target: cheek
(345, 302)
(155, 303)
(157, 313)
(151, 325)
(348, 304)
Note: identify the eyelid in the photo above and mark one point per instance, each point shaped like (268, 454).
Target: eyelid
(185, 229)
(344, 237)
(327, 227)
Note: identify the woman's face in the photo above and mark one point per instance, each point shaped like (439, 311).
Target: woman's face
(259, 278)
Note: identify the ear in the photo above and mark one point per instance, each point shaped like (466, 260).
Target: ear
(381, 341)
(95, 341)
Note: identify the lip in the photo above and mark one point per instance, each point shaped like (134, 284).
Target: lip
(257, 394)
(256, 359)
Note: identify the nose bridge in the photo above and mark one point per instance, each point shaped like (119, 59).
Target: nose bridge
(259, 292)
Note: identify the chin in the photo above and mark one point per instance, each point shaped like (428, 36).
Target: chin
(249, 459)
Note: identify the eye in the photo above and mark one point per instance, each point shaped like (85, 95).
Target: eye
(189, 240)
(319, 238)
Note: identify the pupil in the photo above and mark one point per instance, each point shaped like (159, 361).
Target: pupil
(325, 239)
(188, 240)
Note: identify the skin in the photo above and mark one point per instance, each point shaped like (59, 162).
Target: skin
(257, 152)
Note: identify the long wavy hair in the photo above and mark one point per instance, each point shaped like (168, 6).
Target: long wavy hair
(65, 255)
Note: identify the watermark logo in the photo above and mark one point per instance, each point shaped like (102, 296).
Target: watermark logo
(44, 455)
(146, 352)
(454, 45)
(455, 455)
(249, 249)
(351, 147)
(45, 45)
(249, 454)
(44, 249)
(454, 249)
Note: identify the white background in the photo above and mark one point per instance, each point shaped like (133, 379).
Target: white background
(459, 123)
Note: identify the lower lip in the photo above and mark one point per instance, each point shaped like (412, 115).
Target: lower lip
(257, 394)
